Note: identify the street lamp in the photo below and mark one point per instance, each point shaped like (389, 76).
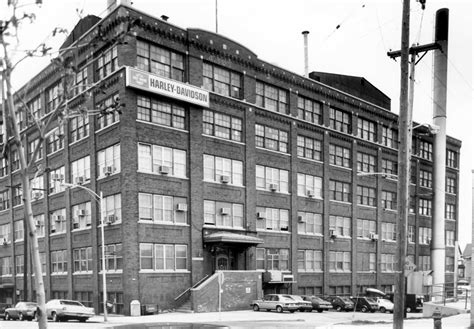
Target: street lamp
(104, 282)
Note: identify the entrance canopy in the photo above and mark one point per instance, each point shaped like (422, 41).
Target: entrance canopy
(231, 238)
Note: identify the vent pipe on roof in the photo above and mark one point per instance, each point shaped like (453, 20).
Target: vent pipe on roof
(306, 66)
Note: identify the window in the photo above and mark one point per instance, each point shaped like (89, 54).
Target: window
(113, 258)
(310, 186)
(426, 178)
(366, 196)
(340, 225)
(81, 216)
(426, 150)
(56, 178)
(159, 112)
(339, 120)
(112, 211)
(339, 156)
(35, 109)
(222, 125)
(411, 234)
(425, 207)
(162, 209)
(272, 259)
(223, 170)
(451, 159)
(340, 191)
(310, 223)
(107, 63)
(339, 261)
(390, 137)
(163, 257)
(365, 228)
(20, 115)
(17, 196)
(366, 130)
(55, 140)
(80, 81)
(309, 110)
(310, 291)
(6, 266)
(108, 161)
(310, 261)
(53, 96)
(161, 160)
(366, 262)
(365, 162)
(389, 167)
(82, 259)
(223, 214)
(59, 294)
(340, 290)
(389, 231)
(222, 81)
(81, 170)
(449, 264)
(450, 240)
(37, 188)
(160, 61)
(309, 148)
(109, 111)
(389, 200)
(271, 138)
(451, 185)
(39, 224)
(15, 158)
(58, 221)
(84, 297)
(4, 200)
(42, 256)
(272, 98)
(424, 263)
(32, 145)
(59, 260)
(19, 264)
(3, 167)
(78, 128)
(272, 179)
(272, 219)
(450, 211)
(424, 235)
(19, 232)
(388, 263)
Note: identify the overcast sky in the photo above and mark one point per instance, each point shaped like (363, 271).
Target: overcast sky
(348, 37)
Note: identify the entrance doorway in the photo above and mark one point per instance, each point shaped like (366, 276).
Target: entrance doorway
(224, 259)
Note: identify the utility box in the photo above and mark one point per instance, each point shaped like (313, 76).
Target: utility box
(135, 308)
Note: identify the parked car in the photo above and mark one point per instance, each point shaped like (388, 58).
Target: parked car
(318, 303)
(21, 311)
(384, 304)
(413, 303)
(3, 307)
(275, 302)
(303, 305)
(340, 303)
(63, 310)
(365, 304)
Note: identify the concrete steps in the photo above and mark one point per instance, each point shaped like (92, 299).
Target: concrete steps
(185, 307)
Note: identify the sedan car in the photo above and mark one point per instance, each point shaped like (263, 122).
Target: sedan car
(318, 303)
(275, 302)
(340, 303)
(63, 310)
(21, 311)
(385, 305)
(365, 304)
(303, 305)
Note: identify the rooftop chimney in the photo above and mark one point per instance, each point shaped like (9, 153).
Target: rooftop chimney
(164, 17)
(306, 68)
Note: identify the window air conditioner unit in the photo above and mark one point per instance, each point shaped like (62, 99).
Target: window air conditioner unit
(108, 170)
(181, 207)
(37, 195)
(81, 212)
(53, 228)
(58, 218)
(38, 223)
(288, 278)
(332, 233)
(374, 236)
(80, 180)
(60, 131)
(273, 187)
(310, 193)
(260, 215)
(164, 170)
(225, 211)
(5, 241)
(225, 179)
(57, 177)
(110, 219)
(301, 219)
(75, 225)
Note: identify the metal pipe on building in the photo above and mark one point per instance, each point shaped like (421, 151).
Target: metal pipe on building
(306, 64)
(440, 72)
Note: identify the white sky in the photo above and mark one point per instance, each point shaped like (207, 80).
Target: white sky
(272, 29)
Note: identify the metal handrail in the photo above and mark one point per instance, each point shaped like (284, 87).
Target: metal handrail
(194, 286)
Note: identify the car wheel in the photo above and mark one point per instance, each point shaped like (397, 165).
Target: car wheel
(7, 317)
(320, 311)
(292, 311)
(408, 309)
(364, 309)
(21, 317)
(382, 310)
(54, 317)
(256, 308)
(309, 310)
(338, 308)
(279, 309)
(82, 320)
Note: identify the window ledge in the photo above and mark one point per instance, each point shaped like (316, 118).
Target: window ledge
(312, 160)
(311, 234)
(223, 184)
(59, 273)
(81, 229)
(163, 126)
(158, 174)
(83, 273)
(104, 128)
(164, 271)
(340, 167)
(273, 151)
(144, 221)
(78, 141)
(223, 139)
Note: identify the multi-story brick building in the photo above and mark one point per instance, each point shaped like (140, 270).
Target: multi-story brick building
(209, 158)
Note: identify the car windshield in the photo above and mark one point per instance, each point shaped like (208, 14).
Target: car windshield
(298, 298)
(318, 299)
(70, 302)
(372, 300)
(346, 299)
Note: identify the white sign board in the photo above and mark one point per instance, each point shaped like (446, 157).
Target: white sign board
(153, 83)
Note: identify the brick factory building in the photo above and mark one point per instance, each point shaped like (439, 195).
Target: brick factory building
(209, 158)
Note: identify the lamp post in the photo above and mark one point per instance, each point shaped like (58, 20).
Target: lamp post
(102, 233)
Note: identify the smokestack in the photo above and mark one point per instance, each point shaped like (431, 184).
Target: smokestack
(306, 67)
(440, 78)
